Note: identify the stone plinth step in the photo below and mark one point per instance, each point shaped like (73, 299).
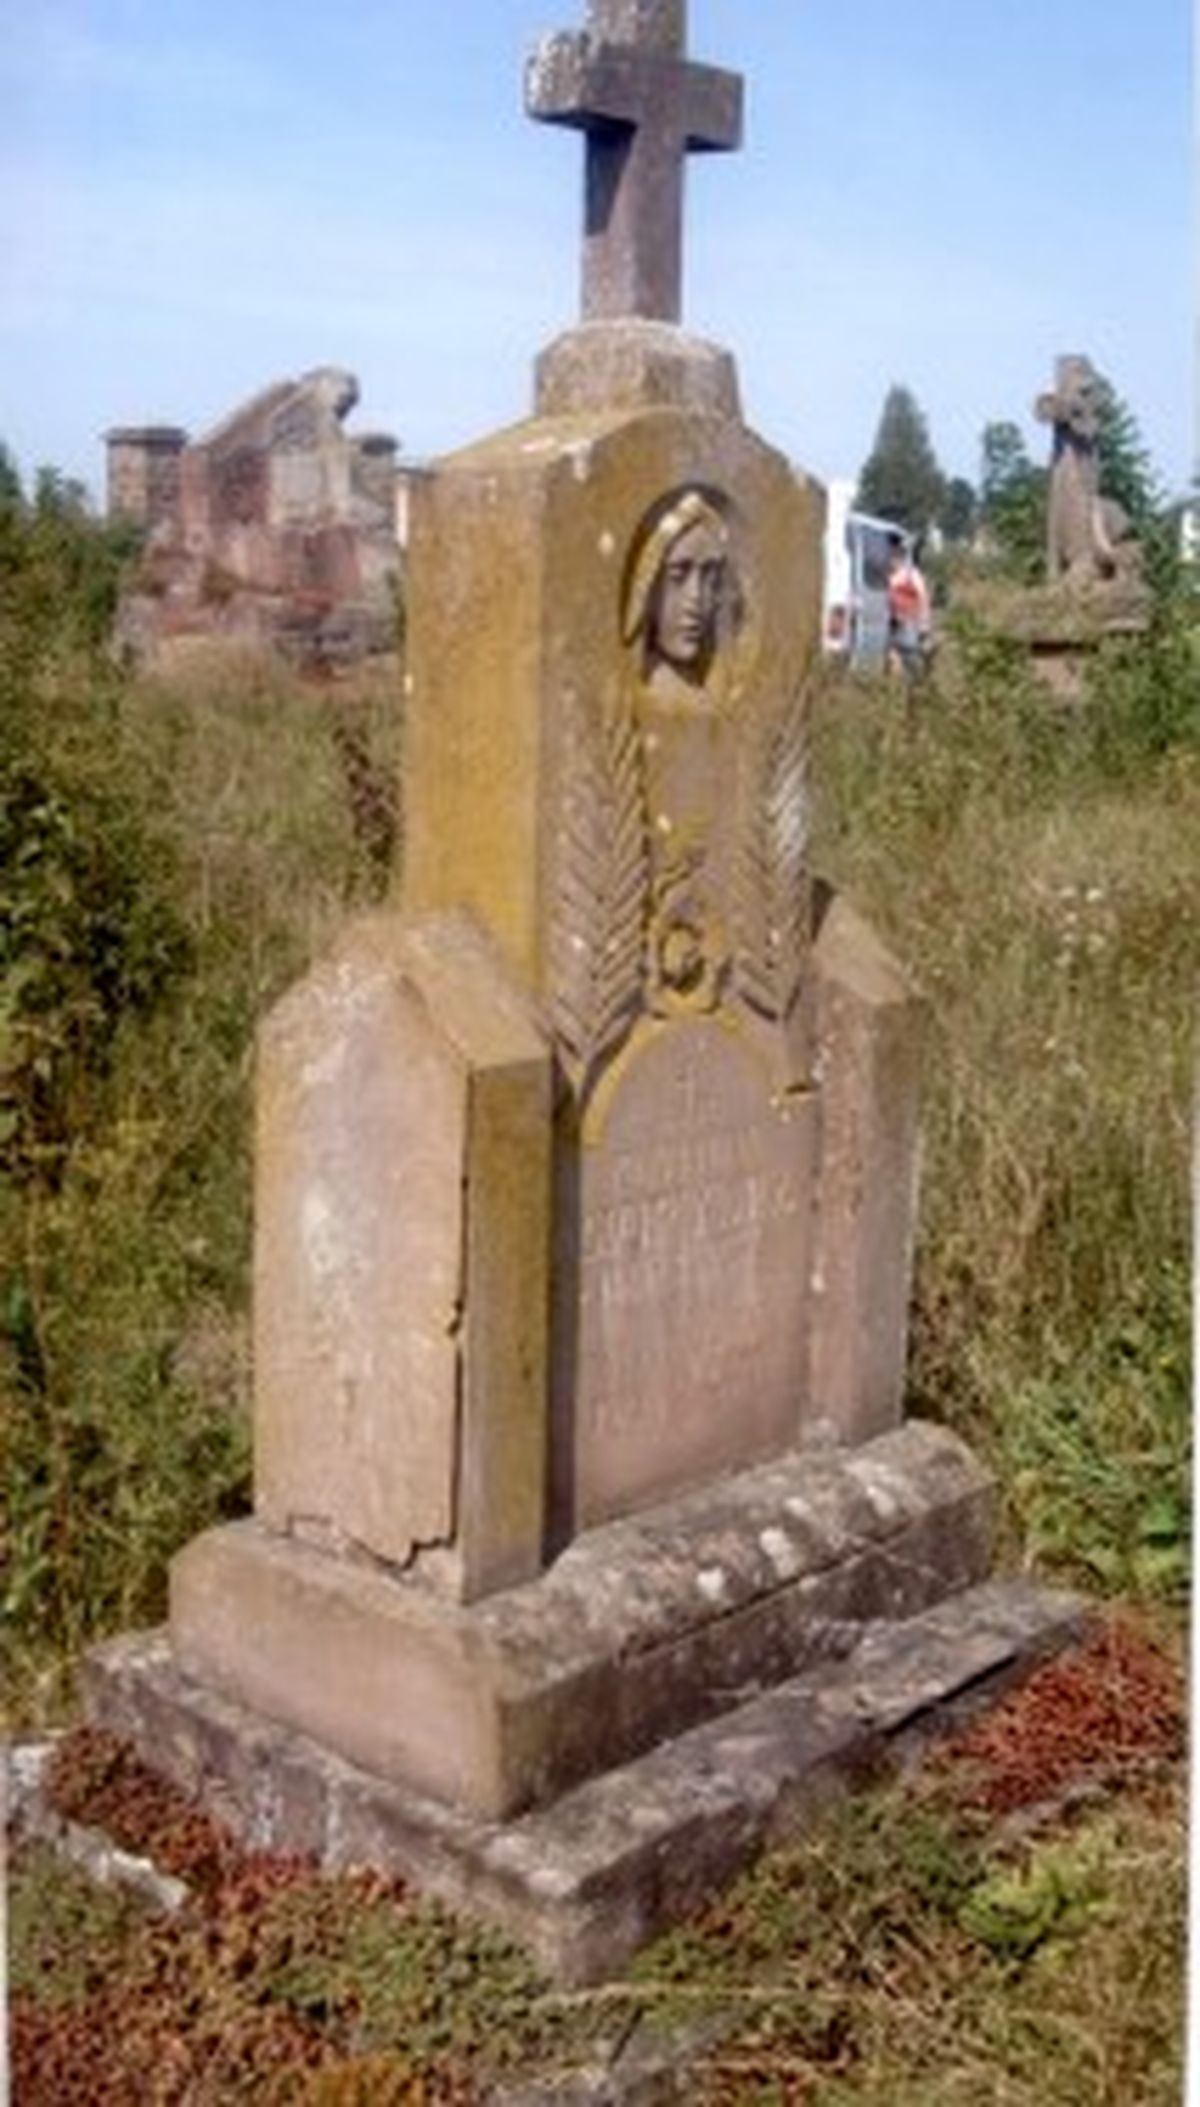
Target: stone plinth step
(587, 1880)
(641, 1629)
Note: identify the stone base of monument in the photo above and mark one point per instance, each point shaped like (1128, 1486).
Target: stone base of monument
(584, 1759)
(1062, 626)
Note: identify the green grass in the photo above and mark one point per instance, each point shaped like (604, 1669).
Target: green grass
(178, 851)
(196, 846)
(125, 1220)
(902, 1957)
(1048, 906)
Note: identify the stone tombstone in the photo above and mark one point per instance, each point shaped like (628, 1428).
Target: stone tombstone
(585, 1187)
(560, 1180)
(643, 593)
(1088, 533)
(1094, 587)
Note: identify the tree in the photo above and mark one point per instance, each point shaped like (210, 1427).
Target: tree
(1012, 501)
(59, 497)
(900, 478)
(1005, 463)
(1126, 473)
(11, 497)
(959, 511)
(76, 558)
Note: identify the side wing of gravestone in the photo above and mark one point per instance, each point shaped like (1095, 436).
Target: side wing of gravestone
(401, 1239)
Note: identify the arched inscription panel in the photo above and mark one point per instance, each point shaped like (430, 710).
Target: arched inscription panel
(690, 1320)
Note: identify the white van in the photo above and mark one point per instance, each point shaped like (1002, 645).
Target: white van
(857, 551)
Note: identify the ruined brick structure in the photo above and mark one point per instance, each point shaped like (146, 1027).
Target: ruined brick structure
(278, 527)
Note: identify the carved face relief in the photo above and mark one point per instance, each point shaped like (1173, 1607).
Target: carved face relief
(682, 592)
(686, 602)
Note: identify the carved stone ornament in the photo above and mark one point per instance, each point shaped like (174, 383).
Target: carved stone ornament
(681, 861)
(770, 891)
(597, 930)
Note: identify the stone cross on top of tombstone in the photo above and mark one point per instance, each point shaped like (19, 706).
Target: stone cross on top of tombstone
(627, 82)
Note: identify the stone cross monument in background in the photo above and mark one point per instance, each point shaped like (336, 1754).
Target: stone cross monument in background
(586, 1529)
(1087, 534)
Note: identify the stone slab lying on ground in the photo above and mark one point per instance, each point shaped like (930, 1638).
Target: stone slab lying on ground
(641, 1628)
(621, 1858)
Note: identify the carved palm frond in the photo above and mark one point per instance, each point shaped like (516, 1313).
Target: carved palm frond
(596, 953)
(770, 891)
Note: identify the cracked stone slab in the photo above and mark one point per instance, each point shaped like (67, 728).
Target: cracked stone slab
(586, 1881)
(641, 1629)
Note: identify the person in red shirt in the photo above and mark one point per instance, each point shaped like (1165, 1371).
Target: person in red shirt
(908, 610)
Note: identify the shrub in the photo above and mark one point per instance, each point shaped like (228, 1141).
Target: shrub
(173, 854)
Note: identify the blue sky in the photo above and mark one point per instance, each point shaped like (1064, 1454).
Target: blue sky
(198, 196)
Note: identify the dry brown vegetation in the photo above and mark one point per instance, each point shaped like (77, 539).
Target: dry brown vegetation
(913, 1948)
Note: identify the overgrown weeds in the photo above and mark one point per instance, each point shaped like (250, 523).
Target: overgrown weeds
(1039, 871)
(1006, 1929)
(172, 853)
(175, 853)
